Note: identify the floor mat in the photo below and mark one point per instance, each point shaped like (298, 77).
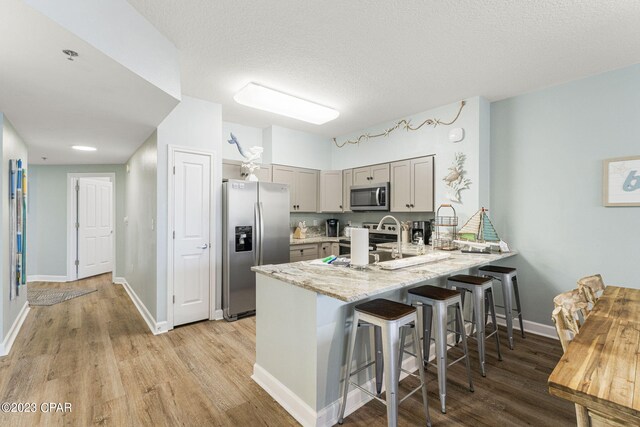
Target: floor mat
(54, 296)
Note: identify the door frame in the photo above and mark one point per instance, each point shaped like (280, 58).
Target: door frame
(172, 150)
(72, 235)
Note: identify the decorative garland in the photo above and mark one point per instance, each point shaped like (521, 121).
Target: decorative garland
(406, 124)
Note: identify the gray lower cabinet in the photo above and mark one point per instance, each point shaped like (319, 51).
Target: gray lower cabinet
(303, 252)
(313, 251)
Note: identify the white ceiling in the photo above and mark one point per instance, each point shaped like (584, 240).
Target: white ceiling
(55, 103)
(380, 60)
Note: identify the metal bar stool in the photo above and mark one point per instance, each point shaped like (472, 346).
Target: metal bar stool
(508, 277)
(482, 293)
(393, 318)
(437, 300)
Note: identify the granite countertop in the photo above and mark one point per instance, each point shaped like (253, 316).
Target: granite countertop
(349, 285)
(317, 239)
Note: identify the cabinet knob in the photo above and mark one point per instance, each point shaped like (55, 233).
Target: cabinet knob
(407, 205)
(411, 205)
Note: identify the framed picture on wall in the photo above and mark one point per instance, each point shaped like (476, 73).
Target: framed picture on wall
(621, 181)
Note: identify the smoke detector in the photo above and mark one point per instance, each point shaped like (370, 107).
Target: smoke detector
(70, 54)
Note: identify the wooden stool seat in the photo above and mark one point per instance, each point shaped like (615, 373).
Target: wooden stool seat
(497, 269)
(470, 280)
(434, 292)
(385, 309)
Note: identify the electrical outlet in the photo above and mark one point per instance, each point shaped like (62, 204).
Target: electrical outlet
(315, 222)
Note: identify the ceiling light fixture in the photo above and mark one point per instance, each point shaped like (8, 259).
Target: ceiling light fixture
(70, 54)
(83, 148)
(260, 97)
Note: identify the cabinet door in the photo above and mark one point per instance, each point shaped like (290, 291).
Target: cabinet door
(325, 250)
(264, 173)
(335, 249)
(307, 190)
(380, 173)
(331, 191)
(422, 184)
(231, 170)
(287, 175)
(401, 186)
(295, 255)
(361, 176)
(347, 182)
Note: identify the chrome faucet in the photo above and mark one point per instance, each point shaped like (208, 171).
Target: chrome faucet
(399, 232)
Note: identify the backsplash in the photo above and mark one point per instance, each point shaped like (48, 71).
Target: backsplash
(356, 218)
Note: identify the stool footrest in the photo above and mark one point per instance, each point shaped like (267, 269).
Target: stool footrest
(362, 368)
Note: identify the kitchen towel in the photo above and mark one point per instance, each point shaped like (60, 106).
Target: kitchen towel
(359, 247)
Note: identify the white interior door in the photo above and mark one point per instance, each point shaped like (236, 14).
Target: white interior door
(95, 227)
(192, 244)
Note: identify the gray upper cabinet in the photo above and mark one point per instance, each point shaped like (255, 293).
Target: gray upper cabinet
(371, 174)
(347, 182)
(401, 186)
(331, 191)
(232, 169)
(264, 174)
(412, 185)
(303, 187)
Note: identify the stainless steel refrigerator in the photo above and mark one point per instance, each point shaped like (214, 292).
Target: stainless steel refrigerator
(255, 224)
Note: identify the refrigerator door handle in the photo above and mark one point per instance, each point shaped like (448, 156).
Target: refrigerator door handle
(260, 233)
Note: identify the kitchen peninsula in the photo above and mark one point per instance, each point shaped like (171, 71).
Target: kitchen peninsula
(301, 329)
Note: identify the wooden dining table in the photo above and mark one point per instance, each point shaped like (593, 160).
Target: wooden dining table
(601, 368)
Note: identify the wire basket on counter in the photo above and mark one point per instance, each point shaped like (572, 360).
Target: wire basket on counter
(445, 230)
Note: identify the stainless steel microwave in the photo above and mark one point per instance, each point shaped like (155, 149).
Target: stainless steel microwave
(370, 197)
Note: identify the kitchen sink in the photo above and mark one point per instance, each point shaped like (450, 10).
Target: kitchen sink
(385, 256)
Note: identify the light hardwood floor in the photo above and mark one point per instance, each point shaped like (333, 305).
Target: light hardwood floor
(97, 353)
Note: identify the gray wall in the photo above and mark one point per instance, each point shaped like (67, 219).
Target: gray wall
(547, 149)
(140, 233)
(13, 147)
(47, 216)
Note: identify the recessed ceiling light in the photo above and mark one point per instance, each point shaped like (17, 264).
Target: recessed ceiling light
(70, 54)
(260, 97)
(83, 148)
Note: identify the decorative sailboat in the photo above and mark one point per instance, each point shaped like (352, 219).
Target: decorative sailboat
(478, 232)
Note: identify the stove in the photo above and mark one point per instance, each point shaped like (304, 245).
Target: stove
(388, 233)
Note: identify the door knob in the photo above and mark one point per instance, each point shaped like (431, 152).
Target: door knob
(205, 246)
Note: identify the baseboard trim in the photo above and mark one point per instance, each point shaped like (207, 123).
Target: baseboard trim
(46, 278)
(218, 315)
(300, 410)
(328, 416)
(7, 343)
(530, 327)
(156, 328)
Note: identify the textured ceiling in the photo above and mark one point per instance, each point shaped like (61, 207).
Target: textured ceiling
(55, 103)
(380, 60)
